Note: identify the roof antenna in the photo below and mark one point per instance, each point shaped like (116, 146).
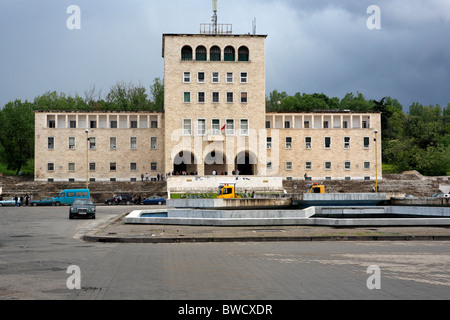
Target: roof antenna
(254, 26)
(214, 16)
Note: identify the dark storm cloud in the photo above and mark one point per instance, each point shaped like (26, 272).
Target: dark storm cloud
(312, 45)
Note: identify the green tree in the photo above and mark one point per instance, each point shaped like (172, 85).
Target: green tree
(17, 134)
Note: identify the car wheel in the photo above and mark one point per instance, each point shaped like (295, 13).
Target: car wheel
(109, 203)
(128, 203)
(70, 216)
(34, 204)
(57, 204)
(159, 203)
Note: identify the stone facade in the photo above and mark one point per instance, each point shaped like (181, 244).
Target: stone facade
(214, 122)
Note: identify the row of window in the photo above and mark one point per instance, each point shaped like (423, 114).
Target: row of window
(325, 125)
(215, 97)
(93, 166)
(326, 143)
(113, 124)
(215, 53)
(327, 165)
(112, 143)
(215, 77)
(216, 127)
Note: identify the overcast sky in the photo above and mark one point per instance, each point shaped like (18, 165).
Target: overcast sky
(312, 46)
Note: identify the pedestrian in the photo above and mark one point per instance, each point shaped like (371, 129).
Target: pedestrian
(16, 200)
(157, 176)
(142, 177)
(146, 176)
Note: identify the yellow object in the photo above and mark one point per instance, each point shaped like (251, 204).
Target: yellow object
(227, 191)
(315, 188)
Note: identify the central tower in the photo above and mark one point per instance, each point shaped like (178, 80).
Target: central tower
(214, 96)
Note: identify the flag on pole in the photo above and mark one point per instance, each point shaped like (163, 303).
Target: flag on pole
(223, 128)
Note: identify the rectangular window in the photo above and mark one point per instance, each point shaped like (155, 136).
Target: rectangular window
(201, 127)
(187, 127)
(366, 142)
(269, 165)
(215, 126)
(153, 143)
(229, 77)
(308, 165)
(244, 97)
(133, 166)
(186, 77)
(51, 142)
(72, 124)
(269, 142)
(215, 97)
(244, 127)
(50, 166)
(244, 77)
(113, 143)
(307, 142)
(215, 77)
(288, 143)
(229, 97)
(93, 124)
(133, 143)
(287, 124)
(327, 142)
(267, 124)
(187, 97)
(201, 97)
(327, 165)
(51, 123)
(92, 166)
(201, 77)
(306, 124)
(92, 143)
(366, 165)
(112, 166)
(71, 166)
(133, 124)
(325, 124)
(153, 124)
(288, 165)
(71, 142)
(345, 124)
(113, 124)
(346, 142)
(230, 127)
(347, 165)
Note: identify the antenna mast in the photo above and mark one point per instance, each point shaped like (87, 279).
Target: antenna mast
(214, 16)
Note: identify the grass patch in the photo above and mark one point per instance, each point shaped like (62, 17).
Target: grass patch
(27, 169)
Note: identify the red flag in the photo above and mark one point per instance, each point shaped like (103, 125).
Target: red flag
(223, 128)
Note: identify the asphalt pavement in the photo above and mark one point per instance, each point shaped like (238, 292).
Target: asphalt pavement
(115, 230)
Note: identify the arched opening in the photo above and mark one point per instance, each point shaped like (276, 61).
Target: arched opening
(243, 54)
(186, 53)
(184, 164)
(229, 54)
(200, 53)
(245, 163)
(215, 163)
(215, 54)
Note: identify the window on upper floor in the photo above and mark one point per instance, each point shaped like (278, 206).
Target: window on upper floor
(243, 54)
(215, 54)
(229, 54)
(186, 53)
(200, 53)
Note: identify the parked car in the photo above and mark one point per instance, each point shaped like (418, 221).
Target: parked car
(8, 202)
(68, 196)
(154, 200)
(123, 198)
(82, 208)
(46, 201)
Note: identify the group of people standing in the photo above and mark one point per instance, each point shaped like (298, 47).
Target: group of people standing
(22, 201)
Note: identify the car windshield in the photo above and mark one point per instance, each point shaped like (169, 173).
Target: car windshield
(83, 202)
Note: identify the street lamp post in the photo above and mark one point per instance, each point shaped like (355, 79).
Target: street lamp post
(87, 158)
(376, 162)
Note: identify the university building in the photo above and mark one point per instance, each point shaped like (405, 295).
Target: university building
(214, 122)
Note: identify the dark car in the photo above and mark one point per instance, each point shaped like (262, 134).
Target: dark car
(123, 198)
(154, 200)
(82, 208)
(46, 201)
